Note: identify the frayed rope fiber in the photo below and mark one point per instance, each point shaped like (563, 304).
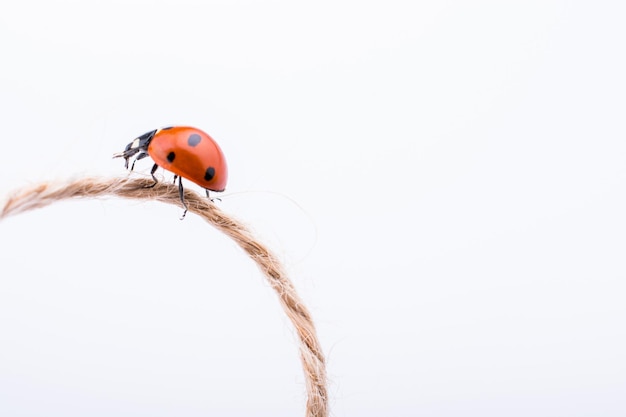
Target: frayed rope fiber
(311, 354)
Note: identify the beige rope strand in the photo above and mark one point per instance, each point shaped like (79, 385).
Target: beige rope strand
(311, 353)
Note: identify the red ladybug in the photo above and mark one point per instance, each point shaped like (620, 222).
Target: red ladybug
(186, 151)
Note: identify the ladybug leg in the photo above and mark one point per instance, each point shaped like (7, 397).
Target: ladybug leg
(181, 193)
(140, 156)
(175, 176)
(209, 197)
(152, 171)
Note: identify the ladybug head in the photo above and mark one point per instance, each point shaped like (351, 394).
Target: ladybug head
(140, 144)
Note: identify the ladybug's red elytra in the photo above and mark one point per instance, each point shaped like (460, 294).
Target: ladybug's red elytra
(186, 151)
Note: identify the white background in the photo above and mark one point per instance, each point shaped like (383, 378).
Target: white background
(445, 182)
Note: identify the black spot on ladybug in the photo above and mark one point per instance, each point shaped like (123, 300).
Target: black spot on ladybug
(171, 156)
(167, 128)
(194, 139)
(209, 174)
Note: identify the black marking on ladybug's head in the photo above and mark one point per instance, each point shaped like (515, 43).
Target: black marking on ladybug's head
(140, 144)
(209, 174)
(170, 157)
(194, 139)
(144, 140)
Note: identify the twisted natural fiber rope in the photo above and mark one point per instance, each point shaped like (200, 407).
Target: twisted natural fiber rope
(310, 351)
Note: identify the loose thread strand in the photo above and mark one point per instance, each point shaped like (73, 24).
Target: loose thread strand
(311, 354)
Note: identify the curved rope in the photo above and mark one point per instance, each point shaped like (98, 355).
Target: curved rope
(311, 354)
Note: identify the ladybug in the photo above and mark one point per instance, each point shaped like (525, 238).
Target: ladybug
(186, 151)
